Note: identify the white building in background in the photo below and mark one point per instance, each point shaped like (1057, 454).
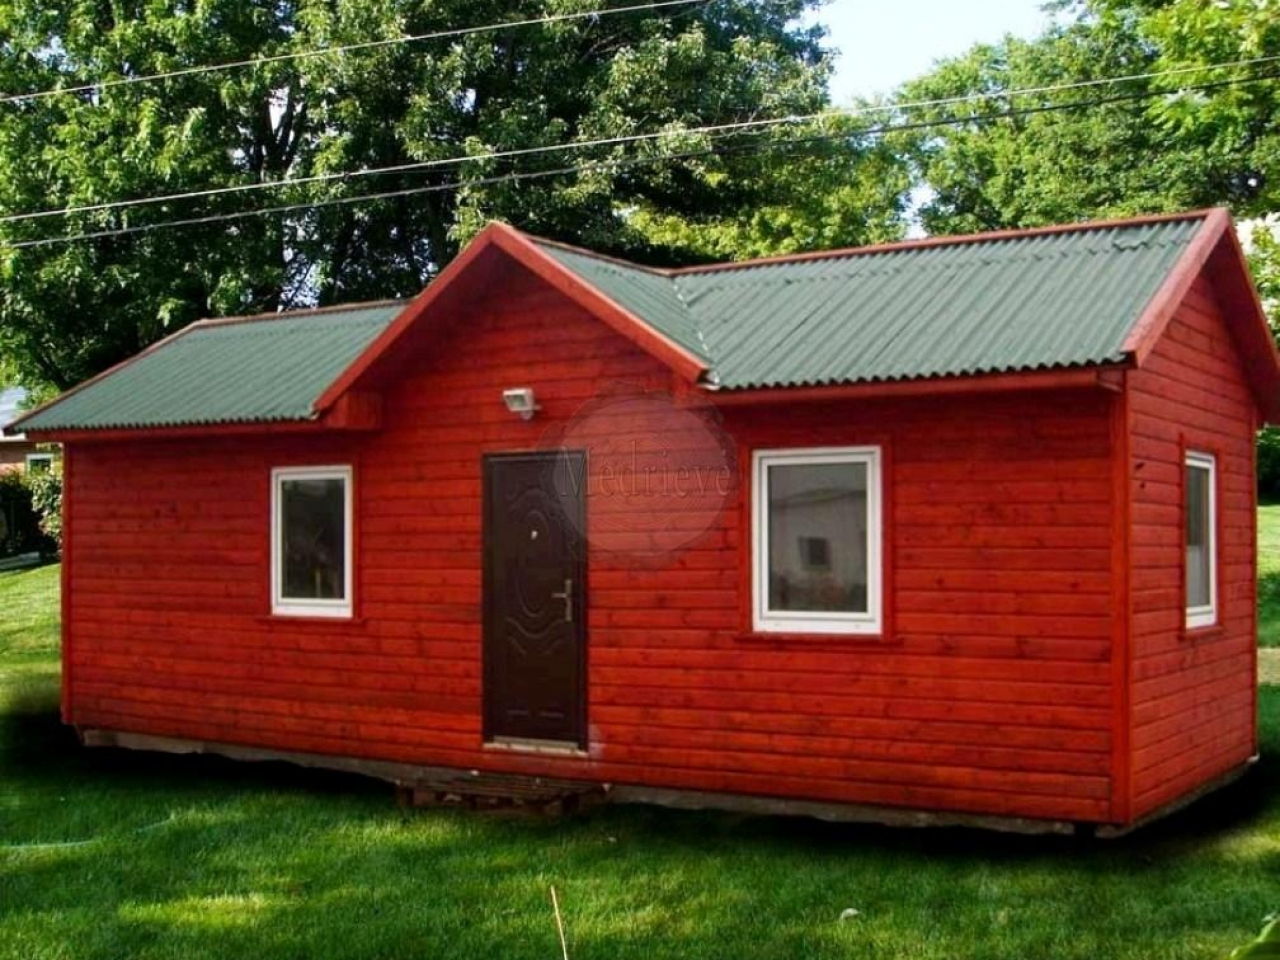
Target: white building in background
(19, 453)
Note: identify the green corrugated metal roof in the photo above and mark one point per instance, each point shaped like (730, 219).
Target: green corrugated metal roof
(259, 369)
(1040, 300)
(1009, 303)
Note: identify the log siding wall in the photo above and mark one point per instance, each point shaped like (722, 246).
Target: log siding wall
(990, 691)
(1194, 692)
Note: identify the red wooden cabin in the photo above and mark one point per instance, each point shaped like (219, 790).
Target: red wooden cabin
(961, 527)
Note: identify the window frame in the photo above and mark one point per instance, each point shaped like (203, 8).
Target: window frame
(46, 459)
(824, 622)
(1198, 618)
(282, 606)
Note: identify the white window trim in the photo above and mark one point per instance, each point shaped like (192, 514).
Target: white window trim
(286, 607)
(45, 458)
(765, 620)
(1204, 616)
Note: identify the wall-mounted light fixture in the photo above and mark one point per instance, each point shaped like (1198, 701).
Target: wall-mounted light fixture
(520, 401)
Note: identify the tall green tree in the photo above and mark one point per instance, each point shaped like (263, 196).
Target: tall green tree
(70, 309)
(1230, 129)
(1147, 144)
(1261, 238)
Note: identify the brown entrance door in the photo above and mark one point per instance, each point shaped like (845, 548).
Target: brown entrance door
(534, 566)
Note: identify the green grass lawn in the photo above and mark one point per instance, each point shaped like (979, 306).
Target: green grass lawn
(111, 855)
(1269, 575)
(28, 633)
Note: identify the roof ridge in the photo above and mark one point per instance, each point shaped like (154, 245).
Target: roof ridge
(925, 243)
(896, 268)
(693, 323)
(293, 314)
(665, 272)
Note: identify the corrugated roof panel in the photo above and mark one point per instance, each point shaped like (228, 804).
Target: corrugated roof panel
(1064, 298)
(257, 370)
(649, 295)
(1040, 301)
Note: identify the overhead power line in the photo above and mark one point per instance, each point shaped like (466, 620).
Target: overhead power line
(617, 164)
(623, 140)
(344, 48)
(629, 162)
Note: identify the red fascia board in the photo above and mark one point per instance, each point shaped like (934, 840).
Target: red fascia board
(1216, 246)
(1155, 317)
(1089, 377)
(620, 319)
(511, 242)
(1251, 328)
(407, 319)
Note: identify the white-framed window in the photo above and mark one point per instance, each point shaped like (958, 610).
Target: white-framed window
(816, 540)
(1200, 534)
(39, 462)
(311, 541)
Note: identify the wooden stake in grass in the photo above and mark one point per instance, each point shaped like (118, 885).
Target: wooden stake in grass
(555, 905)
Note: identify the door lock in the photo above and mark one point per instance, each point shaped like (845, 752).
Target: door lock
(567, 597)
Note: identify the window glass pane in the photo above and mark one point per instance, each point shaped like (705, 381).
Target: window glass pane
(818, 537)
(313, 539)
(1198, 539)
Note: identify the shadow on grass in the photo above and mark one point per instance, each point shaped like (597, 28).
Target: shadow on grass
(36, 749)
(38, 754)
(196, 855)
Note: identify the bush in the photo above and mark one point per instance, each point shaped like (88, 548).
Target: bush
(45, 488)
(20, 530)
(1269, 463)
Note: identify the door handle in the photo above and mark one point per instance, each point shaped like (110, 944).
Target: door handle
(567, 597)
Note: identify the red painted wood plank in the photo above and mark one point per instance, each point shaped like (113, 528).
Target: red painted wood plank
(1193, 702)
(998, 518)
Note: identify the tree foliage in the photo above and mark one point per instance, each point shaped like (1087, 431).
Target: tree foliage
(45, 490)
(1229, 131)
(22, 528)
(1146, 144)
(1261, 241)
(69, 310)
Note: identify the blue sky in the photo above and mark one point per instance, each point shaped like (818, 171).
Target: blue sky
(884, 42)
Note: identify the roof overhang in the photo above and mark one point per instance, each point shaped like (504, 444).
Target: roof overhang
(356, 411)
(352, 401)
(1108, 377)
(1216, 252)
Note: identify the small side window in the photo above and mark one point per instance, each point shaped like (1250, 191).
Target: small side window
(311, 542)
(1201, 538)
(39, 462)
